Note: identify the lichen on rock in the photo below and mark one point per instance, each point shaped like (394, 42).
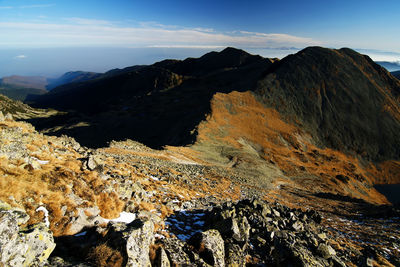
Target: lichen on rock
(21, 246)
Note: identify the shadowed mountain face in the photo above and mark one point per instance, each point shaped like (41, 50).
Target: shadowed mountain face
(72, 77)
(157, 105)
(342, 99)
(396, 74)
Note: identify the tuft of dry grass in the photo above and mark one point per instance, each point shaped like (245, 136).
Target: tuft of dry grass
(110, 205)
(104, 255)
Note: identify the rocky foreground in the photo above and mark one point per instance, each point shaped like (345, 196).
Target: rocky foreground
(128, 205)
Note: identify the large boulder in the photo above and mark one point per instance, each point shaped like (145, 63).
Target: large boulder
(210, 247)
(135, 240)
(23, 246)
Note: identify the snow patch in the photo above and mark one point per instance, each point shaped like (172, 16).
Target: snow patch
(124, 217)
(158, 236)
(41, 162)
(46, 215)
(154, 178)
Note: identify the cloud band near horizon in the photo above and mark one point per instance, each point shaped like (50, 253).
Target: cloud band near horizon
(83, 32)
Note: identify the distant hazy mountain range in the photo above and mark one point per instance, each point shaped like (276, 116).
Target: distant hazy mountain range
(390, 66)
(20, 87)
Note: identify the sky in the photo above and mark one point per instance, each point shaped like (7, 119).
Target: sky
(48, 37)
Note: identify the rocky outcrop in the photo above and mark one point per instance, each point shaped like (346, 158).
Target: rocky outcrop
(211, 247)
(256, 232)
(21, 246)
(134, 239)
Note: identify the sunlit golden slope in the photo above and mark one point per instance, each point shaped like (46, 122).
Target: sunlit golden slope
(238, 119)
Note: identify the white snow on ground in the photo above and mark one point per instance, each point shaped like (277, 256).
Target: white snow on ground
(46, 215)
(124, 217)
(154, 178)
(159, 236)
(41, 162)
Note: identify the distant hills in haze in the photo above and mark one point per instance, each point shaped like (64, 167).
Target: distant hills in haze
(22, 87)
(19, 87)
(390, 66)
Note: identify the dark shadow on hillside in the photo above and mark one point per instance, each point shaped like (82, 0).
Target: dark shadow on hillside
(156, 105)
(340, 198)
(157, 120)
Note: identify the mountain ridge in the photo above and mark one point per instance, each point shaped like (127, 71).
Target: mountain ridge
(332, 95)
(315, 69)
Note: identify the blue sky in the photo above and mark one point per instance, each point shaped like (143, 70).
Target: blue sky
(164, 27)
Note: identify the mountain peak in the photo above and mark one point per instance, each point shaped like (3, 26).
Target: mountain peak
(332, 93)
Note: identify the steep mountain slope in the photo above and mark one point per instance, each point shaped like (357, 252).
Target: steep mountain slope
(134, 104)
(343, 99)
(72, 77)
(396, 74)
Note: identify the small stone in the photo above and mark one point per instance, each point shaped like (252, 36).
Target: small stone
(276, 213)
(326, 251)
(8, 117)
(322, 236)
(91, 163)
(297, 226)
(261, 240)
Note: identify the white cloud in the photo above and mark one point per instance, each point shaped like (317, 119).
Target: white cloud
(189, 46)
(21, 57)
(6, 7)
(378, 55)
(86, 32)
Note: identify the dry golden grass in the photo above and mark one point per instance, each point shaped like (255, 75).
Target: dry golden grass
(153, 253)
(110, 205)
(53, 183)
(104, 255)
(239, 116)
